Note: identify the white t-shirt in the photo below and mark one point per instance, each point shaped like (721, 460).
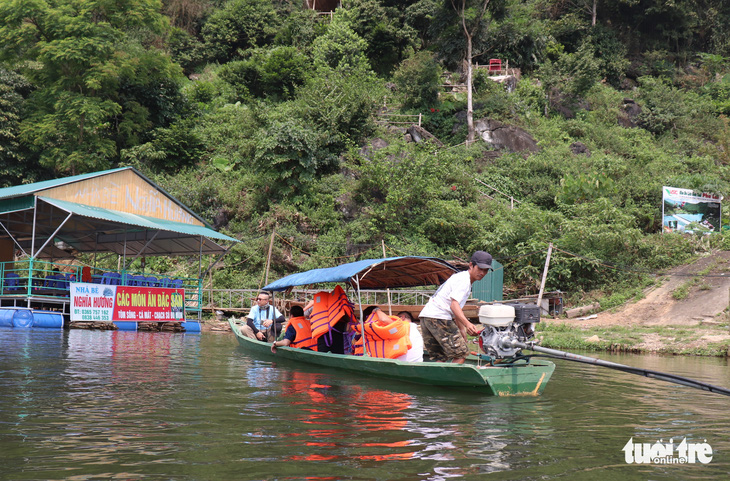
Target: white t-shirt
(415, 353)
(456, 287)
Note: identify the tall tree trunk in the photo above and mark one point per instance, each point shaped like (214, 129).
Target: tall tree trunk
(469, 34)
(594, 12)
(469, 96)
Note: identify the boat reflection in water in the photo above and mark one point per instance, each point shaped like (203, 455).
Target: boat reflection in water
(372, 417)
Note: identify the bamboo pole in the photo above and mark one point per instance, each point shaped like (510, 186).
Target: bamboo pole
(544, 276)
(268, 258)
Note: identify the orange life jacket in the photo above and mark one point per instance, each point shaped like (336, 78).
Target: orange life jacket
(384, 339)
(304, 333)
(328, 309)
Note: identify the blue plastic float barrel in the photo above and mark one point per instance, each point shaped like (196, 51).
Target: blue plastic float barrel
(48, 319)
(126, 325)
(191, 326)
(6, 317)
(23, 318)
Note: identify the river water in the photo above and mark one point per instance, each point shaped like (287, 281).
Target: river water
(93, 405)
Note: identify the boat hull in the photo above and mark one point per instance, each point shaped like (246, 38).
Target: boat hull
(519, 379)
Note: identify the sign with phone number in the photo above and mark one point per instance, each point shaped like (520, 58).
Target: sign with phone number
(99, 302)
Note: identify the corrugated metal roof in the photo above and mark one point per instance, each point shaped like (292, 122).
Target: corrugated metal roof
(25, 189)
(136, 220)
(29, 189)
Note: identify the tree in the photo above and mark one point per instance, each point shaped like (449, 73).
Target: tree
(471, 16)
(340, 49)
(240, 25)
(418, 78)
(388, 39)
(82, 55)
(16, 162)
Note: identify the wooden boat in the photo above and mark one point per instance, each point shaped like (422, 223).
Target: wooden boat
(522, 376)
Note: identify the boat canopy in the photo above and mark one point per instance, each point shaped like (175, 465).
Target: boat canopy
(390, 272)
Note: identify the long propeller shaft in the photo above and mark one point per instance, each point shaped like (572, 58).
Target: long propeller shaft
(662, 376)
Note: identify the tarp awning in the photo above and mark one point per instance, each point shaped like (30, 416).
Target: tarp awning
(390, 272)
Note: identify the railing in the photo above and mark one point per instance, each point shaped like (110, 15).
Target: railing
(36, 278)
(400, 119)
(241, 300)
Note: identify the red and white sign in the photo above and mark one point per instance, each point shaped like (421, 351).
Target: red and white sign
(100, 302)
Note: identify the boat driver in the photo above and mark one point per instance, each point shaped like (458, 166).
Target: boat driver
(443, 323)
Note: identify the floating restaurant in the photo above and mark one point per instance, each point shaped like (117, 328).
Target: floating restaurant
(49, 227)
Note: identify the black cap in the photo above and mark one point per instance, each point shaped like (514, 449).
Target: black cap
(482, 259)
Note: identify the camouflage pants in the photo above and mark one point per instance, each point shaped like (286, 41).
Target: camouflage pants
(442, 339)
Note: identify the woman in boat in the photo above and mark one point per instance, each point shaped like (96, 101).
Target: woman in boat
(298, 332)
(415, 353)
(393, 331)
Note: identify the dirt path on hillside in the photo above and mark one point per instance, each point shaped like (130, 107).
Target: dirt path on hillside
(707, 285)
(707, 281)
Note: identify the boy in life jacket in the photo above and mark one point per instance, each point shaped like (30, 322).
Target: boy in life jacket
(298, 332)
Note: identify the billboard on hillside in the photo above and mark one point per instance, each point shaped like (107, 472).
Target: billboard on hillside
(689, 211)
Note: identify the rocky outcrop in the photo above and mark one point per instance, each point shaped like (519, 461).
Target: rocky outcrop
(566, 105)
(630, 111)
(419, 134)
(505, 137)
(579, 148)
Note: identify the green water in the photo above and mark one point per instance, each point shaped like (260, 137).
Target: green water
(93, 405)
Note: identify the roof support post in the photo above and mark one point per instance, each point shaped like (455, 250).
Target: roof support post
(142, 249)
(32, 251)
(35, 216)
(200, 282)
(54, 233)
(13, 238)
(362, 321)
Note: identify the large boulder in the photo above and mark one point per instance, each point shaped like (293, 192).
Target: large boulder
(630, 111)
(419, 134)
(505, 137)
(579, 148)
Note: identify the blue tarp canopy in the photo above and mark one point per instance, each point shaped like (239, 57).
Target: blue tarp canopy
(390, 272)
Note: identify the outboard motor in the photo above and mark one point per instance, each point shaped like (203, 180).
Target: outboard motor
(504, 323)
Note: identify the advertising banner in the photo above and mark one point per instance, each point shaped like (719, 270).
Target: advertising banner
(100, 302)
(689, 211)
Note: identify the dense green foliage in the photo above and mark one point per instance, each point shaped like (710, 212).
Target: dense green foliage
(263, 116)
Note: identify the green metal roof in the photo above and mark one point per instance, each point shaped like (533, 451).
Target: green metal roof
(28, 189)
(25, 189)
(136, 220)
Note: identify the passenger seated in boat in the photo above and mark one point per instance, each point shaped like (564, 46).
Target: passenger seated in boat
(334, 340)
(261, 318)
(415, 353)
(389, 337)
(331, 315)
(298, 332)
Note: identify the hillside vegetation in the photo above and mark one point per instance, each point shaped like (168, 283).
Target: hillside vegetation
(262, 115)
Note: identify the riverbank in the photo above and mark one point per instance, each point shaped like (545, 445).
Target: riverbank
(685, 313)
(707, 339)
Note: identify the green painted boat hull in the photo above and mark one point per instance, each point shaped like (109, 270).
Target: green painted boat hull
(519, 379)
